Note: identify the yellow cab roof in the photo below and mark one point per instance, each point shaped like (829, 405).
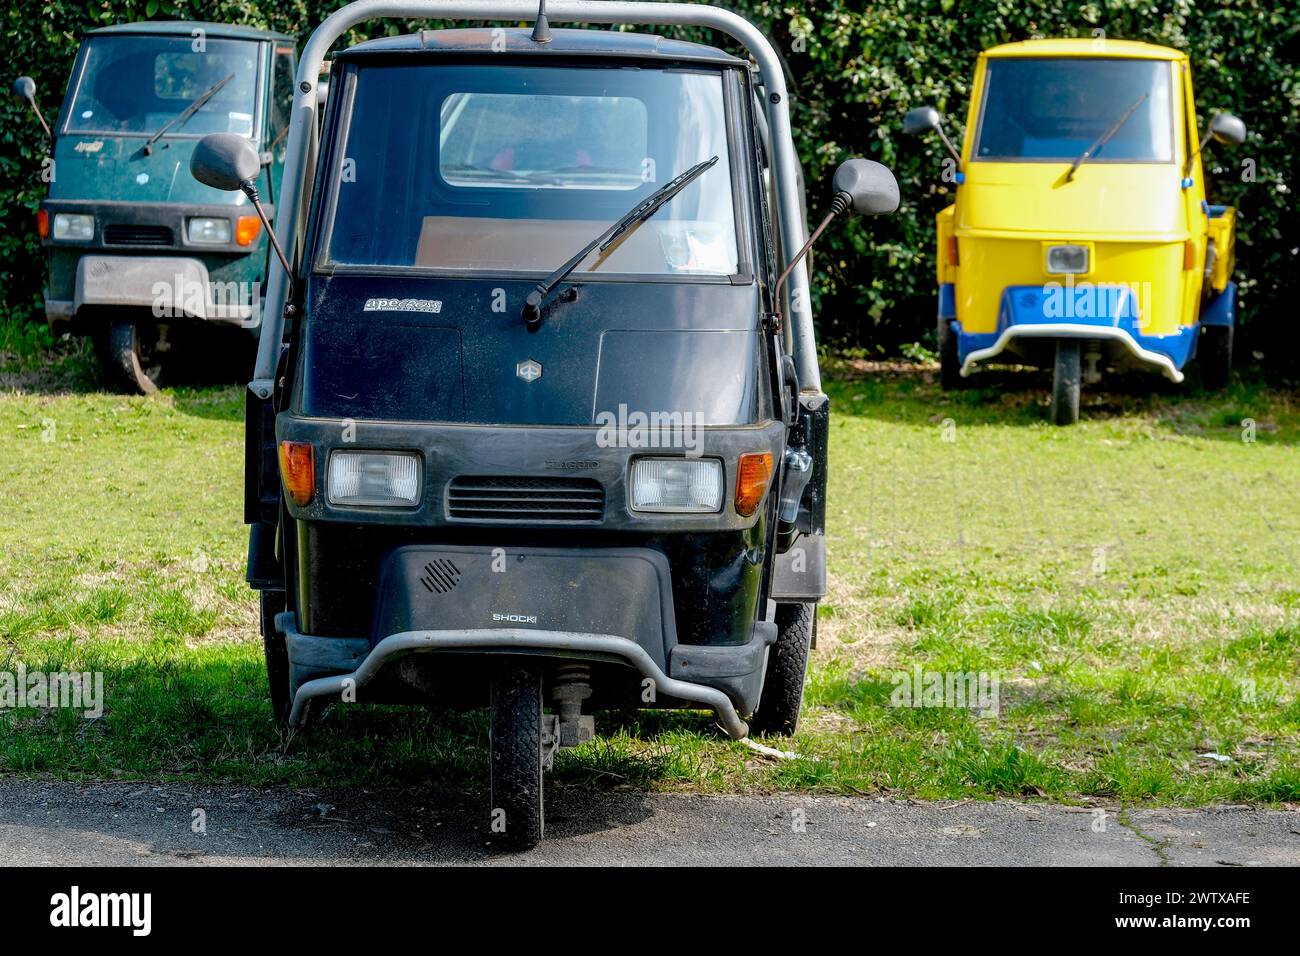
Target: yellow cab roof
(1085, 46)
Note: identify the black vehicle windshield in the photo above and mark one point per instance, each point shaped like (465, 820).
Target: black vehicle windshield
(1051, 109)
(134, 85)
(503, 169)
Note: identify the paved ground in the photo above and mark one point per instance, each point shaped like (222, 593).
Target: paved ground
(138, 824)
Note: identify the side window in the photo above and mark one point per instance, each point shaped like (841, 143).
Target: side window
(282, 71)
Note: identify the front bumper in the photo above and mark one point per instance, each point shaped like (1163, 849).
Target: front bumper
(568, 644)
(167, 286)
(1112, 318)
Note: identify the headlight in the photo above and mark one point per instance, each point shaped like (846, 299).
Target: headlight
(692, 485)
(1067, 260)
(214, 232)
(373, 478)
(69, 226)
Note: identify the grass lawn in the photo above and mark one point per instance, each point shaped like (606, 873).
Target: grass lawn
(1132, 582)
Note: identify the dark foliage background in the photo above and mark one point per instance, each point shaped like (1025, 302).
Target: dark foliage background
(857, 66)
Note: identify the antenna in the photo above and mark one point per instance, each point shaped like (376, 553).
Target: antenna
(542, 26)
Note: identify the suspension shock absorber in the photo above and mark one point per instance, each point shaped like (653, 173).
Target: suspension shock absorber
(572, 686)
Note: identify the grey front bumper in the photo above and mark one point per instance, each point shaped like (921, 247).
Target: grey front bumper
(510, 640)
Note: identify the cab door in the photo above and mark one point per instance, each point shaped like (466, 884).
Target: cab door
(1193, 200)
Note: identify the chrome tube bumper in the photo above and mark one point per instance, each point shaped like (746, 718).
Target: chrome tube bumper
(1076, 330)
(517, 640)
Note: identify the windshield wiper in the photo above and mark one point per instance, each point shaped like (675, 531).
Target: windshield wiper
(1105, 138)
(642, 211)
(186, 113)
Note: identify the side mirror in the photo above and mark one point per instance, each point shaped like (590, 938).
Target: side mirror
(24, 89)
(871, 186)
(925, 119)
(225, 161)
(228, 162)
(921, 120)
(1227, 129)
(862, 186)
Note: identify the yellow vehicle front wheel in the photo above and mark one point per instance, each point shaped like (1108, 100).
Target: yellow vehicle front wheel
(1065, 382)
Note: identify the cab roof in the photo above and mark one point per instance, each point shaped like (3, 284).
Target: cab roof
(1086, 46)
(611, 43)
(227, 31)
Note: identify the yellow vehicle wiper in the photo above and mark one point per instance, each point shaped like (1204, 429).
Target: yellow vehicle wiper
(186, 113)
(1104, 138)
(639, 214)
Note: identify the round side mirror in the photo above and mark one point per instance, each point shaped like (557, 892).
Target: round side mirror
(24, 89)
(1227, 129)
(872, 186)
(921, 120)
(224, 161)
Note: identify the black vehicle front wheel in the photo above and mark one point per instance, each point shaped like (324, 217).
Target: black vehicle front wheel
(131, 354)
(787, 671)
(1065, 383)
(1214, 356)
(515, 740)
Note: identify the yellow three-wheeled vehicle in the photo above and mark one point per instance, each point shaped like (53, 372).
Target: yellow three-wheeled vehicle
(1081, 237)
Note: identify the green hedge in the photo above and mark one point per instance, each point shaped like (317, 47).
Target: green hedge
(857, 68)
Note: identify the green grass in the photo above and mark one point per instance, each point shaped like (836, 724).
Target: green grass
(1132, 581)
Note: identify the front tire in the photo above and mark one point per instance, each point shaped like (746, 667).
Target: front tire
(1065, 382)
(787, 671)
(515, 741)
(131, 359)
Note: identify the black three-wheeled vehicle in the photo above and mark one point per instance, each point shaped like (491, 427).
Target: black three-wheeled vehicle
(533, 432)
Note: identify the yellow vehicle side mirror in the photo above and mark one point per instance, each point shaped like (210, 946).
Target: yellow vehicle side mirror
(1227, 129)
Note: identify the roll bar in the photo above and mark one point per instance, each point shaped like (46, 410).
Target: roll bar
(301, 143)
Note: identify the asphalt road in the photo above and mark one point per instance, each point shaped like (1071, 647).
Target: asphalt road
(43, 823)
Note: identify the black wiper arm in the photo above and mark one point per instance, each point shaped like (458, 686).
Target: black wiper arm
(186, 113)
(1104, 138)
(643, 211)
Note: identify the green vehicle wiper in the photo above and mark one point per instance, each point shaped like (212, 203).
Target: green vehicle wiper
(186, 113)
(643, 211)
(1104, 139)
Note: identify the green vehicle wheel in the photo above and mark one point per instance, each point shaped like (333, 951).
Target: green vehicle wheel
(132, 356)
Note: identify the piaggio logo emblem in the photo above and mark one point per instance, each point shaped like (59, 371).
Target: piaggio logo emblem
(529, 370)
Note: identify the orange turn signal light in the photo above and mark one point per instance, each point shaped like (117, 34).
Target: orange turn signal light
(953, 258)
(1189, 255)
(247, 229)
(298, 471)
(43, 223)
(753, 476)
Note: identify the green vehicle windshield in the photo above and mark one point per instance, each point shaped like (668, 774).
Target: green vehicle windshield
(134, 85)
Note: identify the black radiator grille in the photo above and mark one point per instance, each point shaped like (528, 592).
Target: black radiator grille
(123, 234)
(525, 499)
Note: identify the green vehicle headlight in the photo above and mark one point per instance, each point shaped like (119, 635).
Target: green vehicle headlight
(73, 226)
(215, 232)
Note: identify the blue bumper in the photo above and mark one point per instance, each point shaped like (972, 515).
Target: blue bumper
(1108, 312)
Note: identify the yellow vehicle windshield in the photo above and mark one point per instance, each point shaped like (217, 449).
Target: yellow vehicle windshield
(1051, 109)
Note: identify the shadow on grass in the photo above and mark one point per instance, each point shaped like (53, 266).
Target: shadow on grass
(899, 393)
